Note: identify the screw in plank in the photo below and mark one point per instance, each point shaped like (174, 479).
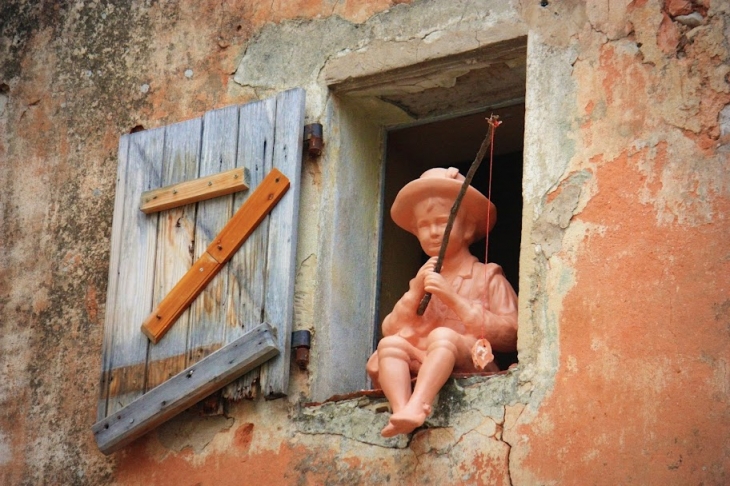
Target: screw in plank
(210, 183)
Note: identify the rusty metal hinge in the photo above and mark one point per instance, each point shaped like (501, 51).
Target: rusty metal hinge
(313, 141)
(300, 343)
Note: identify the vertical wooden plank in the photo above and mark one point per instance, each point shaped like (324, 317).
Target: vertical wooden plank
(246, 271)
(136, 271)
(281, 251)
(115, 255)
(175, 243)
(208, 312)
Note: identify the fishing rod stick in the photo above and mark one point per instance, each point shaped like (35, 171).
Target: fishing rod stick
(493, 122)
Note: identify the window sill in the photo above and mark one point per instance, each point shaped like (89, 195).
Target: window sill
(361, 415)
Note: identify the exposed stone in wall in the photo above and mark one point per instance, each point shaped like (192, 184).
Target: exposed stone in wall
(358, 419)
(462, 406)
(186, 430)
(558, 212)
(557, 23)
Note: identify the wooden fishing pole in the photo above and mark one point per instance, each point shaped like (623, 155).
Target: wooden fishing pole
(493, 122)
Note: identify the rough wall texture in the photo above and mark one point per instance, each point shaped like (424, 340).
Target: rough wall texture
(641, 393)
(625, 247)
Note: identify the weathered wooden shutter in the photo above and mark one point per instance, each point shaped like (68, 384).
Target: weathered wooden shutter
(151, 252)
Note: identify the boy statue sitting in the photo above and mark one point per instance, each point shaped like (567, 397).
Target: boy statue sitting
(470, 301)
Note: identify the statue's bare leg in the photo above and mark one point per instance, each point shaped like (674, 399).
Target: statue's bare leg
(435, 370)
(394, 375)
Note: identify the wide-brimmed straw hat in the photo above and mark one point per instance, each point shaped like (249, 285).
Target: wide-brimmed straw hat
(442, 183)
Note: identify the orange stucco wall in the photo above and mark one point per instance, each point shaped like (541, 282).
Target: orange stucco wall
(634, 272)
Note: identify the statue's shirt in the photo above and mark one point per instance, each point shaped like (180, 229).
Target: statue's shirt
(484, 285)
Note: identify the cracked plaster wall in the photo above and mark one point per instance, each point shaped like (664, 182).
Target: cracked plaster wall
(625, 328)
(629, 230)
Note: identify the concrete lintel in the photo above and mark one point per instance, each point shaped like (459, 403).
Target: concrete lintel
(390, 56)
(325, 52)
(441, 72)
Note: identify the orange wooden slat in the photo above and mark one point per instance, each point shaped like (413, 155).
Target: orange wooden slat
(248, 217)
(180, 297)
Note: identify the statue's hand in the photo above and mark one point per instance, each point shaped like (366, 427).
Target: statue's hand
(437, 284)
(426, 269)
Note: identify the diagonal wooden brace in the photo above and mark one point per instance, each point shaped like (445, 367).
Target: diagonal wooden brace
(224, 246)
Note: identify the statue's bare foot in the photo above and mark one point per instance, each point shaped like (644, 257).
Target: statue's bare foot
(407, 419)
(389, 431)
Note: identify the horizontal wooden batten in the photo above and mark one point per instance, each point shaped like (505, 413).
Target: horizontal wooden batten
(193, 191)
(185, 389)
(224, 246)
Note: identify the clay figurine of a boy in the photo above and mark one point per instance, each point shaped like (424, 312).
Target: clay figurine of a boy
(470, 301)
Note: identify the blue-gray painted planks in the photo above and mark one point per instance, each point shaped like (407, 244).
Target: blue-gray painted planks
(211, 309)
(175, 240)
(257, 137)
(135, 262)
(281, 250)
(246, 268)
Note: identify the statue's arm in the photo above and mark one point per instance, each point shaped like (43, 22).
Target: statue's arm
(404, 310)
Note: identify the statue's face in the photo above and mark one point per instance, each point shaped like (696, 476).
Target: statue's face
(431, 216)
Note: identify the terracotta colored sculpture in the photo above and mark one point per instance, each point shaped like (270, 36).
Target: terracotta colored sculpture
(471, 302)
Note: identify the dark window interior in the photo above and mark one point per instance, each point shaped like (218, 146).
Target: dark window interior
(446, 143)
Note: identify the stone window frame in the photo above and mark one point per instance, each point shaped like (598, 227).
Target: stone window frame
(348, 278)
(360, 123)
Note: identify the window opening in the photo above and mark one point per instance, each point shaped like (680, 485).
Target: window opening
(453, 143)
(365, 269)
